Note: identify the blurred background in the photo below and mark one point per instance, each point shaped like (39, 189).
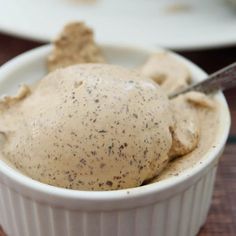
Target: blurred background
(202, 30)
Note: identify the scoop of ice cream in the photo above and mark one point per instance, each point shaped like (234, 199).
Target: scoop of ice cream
(90, 127)
(74, 45)
(186, 128)
(168, 72)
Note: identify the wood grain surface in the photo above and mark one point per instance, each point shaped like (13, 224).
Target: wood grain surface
(221, 220)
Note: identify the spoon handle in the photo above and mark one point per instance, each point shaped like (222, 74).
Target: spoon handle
(220, 80)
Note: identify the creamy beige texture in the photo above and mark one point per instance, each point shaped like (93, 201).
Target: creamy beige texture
(166, 71)
(209, 129)
(186, 128)
(74, 45)
(93, 127)
(103, 127)
(196, 116)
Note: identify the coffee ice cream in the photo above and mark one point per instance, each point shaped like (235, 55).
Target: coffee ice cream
(168, 72)
(96, 127)
(194, 113)
(74, 45)
(92, 127)
(104, 127)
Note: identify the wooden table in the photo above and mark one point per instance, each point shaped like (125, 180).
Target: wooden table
(222, 216)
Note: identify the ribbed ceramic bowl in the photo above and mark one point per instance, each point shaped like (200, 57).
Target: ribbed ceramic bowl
(173, 207)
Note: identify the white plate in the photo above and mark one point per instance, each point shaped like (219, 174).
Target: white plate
(202, 24)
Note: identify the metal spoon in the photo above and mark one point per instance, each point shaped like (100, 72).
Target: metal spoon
(220, 80)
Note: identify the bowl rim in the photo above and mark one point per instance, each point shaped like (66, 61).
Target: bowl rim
(21, 181)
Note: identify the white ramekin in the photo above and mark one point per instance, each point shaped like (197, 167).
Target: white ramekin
(173, 207)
